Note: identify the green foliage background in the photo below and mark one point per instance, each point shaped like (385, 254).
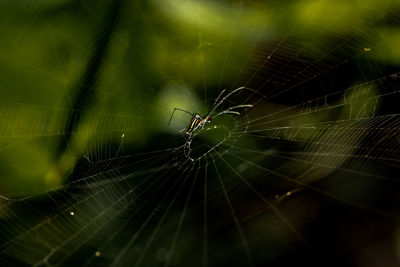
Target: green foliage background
(77, 75)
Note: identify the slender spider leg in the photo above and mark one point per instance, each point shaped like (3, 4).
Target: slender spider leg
(191, 114)
(182, 132)
(216, 100)
(241, 106)
(231, 93)
(227, 112)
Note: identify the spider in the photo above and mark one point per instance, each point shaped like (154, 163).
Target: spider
(198, 121)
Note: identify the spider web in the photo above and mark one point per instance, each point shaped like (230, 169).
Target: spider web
(309, 171)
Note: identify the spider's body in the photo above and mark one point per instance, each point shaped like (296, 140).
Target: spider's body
(196, 122)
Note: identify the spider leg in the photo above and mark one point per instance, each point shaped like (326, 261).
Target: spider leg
(241, 106)
(191, 114)
(216, 100)
(231, 93)
(227, 112)
(225, 97)
(182, 132)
